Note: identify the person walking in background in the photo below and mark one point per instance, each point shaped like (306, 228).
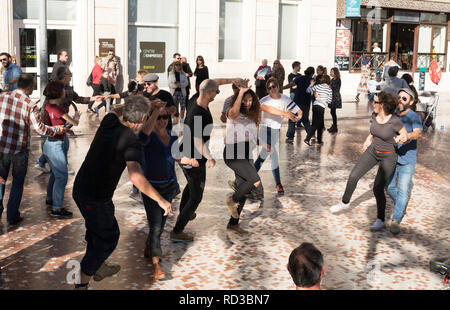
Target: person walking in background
(55, 148)
(96, 75)
(336, 101)
(393, 83)
(296, 66)
(262, 75)
(177, 84)
(278, 73)
(63, 58)
(324, 95)
(11, 73)
(106, 89)
(389, 64)
(201, 72)
(188, 71)
(17, 116)
(379, 148)
(176, 58)
(365, 78)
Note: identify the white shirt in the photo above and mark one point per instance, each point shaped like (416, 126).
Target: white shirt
(284, 104)
(241, 129)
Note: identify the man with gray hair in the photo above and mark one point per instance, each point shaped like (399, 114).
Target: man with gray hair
(196, 136)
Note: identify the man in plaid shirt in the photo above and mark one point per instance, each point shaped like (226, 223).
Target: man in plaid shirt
(17, 115)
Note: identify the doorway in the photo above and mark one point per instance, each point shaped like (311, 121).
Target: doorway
(402, 44)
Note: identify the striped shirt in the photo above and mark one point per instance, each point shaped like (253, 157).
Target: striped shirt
(325, 93)
(284, 104)
(17, 115)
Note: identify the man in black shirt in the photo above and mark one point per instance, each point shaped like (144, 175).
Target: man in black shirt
(63, 57)
(291, 77)
(115, 146)
(196, 135)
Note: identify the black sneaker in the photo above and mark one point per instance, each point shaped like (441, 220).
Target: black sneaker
(61, 213)
(307, 142)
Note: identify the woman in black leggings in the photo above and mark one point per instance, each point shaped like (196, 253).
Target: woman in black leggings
(243, 117)
(386, 130)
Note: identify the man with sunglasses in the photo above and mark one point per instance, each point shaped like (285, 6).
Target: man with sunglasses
(400, 182)
(11, 74)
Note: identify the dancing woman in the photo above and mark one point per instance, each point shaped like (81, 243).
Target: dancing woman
(386, 130)
(243, 117)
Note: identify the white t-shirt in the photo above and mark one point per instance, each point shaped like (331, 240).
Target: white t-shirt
(284, 104)
(241, 129)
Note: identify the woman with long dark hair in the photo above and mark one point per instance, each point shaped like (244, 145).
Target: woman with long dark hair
(201, 72)
(55, 148)
(336, 101)
(386, 130)
(243, 117)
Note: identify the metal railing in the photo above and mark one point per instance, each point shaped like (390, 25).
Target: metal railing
(376, 60)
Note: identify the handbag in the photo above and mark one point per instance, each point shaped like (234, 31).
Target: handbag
(89, 80)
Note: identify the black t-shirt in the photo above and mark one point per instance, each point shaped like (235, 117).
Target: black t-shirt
(291, 78)
(114, 144)
(166, 97)
(201, 74)
(202, 119)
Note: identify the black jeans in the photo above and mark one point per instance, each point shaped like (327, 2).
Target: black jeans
(367, 161)
(318, 123)
(334, 116)
(192, 195)
(102, 231)
(156, 218)
(97, 92)
(305, 116)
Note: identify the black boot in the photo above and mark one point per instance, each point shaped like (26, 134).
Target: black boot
(333, 129)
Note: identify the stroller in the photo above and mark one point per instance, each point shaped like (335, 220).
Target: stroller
(426, 108)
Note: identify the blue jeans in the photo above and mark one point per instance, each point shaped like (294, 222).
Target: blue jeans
(56, 152)
(270, 137)
(19, 171)
(399, 191)
(42, 160)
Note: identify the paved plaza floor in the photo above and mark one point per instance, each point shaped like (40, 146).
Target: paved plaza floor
(38, 253)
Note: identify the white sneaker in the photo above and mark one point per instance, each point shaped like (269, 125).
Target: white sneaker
(339, 207)
(43, 169)
(136, 196)
(378, 225)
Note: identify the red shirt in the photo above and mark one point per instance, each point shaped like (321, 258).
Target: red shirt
(96, 74)
(55, 114)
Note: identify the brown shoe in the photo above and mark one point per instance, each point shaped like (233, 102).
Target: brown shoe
(237, 228)
(146, 251)
(105, 271)
(232, 207)
(157, 272)
(181, 237)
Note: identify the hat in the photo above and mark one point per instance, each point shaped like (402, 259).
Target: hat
(151, 77)
(408, 91)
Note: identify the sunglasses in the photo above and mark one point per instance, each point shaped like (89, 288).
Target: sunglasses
(404, 99)
(272, 87)
(4, 59)
(149, 83)
(164, 117)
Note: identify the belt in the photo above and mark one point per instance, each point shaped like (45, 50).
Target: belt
(52, 139)
(378, 152)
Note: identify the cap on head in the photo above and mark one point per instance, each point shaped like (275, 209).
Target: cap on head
(151, 77)
(409, 92)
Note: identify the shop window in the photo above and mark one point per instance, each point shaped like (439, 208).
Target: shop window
(438, 45)
(56, 9)
(379, 35)
(433, 18)
(154, 11)
(230, 29)
(360, 36)
(287, 31)
(424, 39)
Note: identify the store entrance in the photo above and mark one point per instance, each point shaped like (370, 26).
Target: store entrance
(402, 44)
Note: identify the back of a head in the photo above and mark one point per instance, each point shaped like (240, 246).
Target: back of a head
(310, 71)
(325, 79)
(53, 90)
(305, 265)
(207, 86)
(393, 71)
(25, 81)
(136, 107)
(408, 78)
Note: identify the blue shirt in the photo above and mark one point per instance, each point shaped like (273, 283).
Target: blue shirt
(159, 163)
(11, 73)
(407, 154)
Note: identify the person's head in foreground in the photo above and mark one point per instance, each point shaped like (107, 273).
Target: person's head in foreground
(306, 267)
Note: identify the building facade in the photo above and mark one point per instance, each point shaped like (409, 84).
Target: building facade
(233, 36)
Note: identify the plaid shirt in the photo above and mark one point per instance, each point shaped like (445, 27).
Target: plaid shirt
(17, 115)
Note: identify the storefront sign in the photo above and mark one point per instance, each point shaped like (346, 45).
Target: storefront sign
(342, 63)
(407, 16)
(153, 57)
(105, 46)
(422, 74)
(353, 8)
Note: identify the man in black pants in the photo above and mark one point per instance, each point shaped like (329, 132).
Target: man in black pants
(196, 135)
(115, 146)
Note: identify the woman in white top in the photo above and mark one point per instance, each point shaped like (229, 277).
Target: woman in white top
(275, 106)
(323, 95)
(243, 117)
(177, 83)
